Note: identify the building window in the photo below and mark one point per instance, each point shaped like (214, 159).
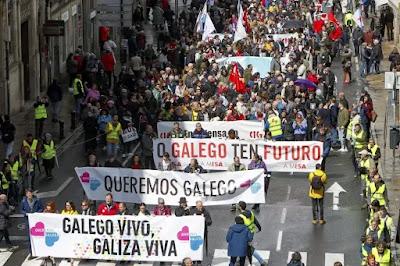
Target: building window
(10, 30)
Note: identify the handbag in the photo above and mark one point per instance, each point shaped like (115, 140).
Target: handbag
(374, 116)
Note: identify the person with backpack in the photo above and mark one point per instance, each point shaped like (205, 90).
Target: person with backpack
(318, 180)
(295, 260)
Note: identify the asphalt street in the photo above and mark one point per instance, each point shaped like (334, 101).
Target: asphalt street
(285, 218)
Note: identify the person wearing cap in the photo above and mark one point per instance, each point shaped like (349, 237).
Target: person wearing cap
(161, 209)
(183, 209)
(374, 150)
(48, 155)
(113, 131)
(238, 237)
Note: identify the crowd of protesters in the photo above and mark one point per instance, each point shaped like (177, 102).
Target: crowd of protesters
(179, 80)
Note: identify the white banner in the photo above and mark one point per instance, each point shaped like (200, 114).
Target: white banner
(260, 64)
(136, 186)
(122, 238)
(245, 129)
(217, 154)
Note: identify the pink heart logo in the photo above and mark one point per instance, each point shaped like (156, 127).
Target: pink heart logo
(183, 234)
(246, 184)
(38, 229)
(85, 177)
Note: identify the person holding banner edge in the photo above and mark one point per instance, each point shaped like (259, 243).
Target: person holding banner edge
(236, 166)
(258, 163)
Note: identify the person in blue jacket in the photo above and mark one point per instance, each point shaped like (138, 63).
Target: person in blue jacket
(238, 236)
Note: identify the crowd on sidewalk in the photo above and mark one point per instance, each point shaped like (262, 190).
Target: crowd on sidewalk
(300, 98)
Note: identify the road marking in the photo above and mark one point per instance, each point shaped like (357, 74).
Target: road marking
(283, 215)
(55, 193)
(303, 257)
(4, 256)
(17, 215)
(331, 258)
(221, 258)
(289, 190)
(279, 241)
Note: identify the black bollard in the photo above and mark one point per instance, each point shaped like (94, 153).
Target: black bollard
(61, 124)
(73, 120)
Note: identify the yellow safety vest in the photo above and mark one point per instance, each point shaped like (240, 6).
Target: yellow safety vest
(113, 132)
(40, 111)
(249, 222)
(348, 18)
(359, 140)
(4, 183)
(49, 151)
(76, 81)
(31, 147)
(373, 149)
(15, 171)
(363, 251)
(387, 222)
(383, 259)
(377, 194)
(275, 126)
(366, 164)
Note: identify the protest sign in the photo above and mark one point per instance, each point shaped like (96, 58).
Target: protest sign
(218, 129)
(218, 154)
(129, 134)
(122, 238)
(128, 185)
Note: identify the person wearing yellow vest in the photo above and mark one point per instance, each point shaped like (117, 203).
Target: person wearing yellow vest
(386, 222)
(48, 155)
(27, 168)
(78, 93)
(374, 231)
(366, 248)
(113, 131)
(365, 166)
(382, 254)
(375, 151)
(317, 179)
(32, 144)
(274, 126)
(377, 190)
(15, 190)
(40, 114)
(252, 224)
(348, 19)
(5, 177)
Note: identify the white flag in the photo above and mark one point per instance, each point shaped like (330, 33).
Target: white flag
(201, 19)
(357, 17)
(208, 27)
(240, 32)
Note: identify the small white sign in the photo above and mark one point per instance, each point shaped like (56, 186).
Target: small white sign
(93, 14)
(129, 134)
(65, 16)
(389, 80)
(74, 10)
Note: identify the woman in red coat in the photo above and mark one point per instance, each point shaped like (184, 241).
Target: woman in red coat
(108, 61)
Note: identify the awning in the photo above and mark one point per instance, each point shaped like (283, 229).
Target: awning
(381, 2)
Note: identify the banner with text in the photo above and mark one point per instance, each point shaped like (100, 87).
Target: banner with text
(128, 185)
(217, 129)
(122, 238)
(218, 154)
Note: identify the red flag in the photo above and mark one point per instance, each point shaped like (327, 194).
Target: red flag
(236, 79)
(336, 34)
(331, 18)
(317, 25)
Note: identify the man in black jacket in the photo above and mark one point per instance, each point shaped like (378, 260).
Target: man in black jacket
(183, 209)
(54, 93)
(7, 130)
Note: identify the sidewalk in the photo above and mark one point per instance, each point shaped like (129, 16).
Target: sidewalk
(390, 160)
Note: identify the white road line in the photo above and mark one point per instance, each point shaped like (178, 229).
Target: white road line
(4, 256)
(303, 257)
(289, 190)
(55, 193)
(221, 258)
(331, 258)
(283, 215)
(279, 241)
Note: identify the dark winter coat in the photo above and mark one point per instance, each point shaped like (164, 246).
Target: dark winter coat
(4, 215)
(238, 236)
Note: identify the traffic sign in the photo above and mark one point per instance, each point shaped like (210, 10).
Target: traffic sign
(54, 28)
